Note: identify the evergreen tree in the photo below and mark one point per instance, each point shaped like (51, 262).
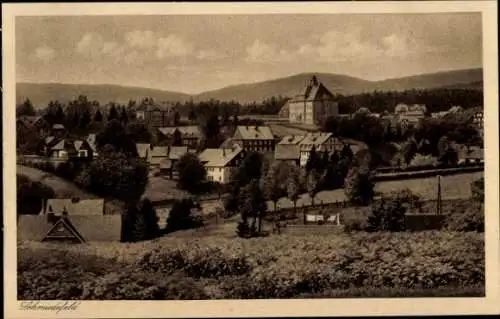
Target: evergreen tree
(113, 113)
(98, 116)
(124, 117)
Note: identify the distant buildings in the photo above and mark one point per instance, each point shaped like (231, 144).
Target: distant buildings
(410, 116)
(478, 122)
(163, 158)
(321, 142)
(313, 105)
(189, 136)
(156, 116)
(254, 138)
(221, 163)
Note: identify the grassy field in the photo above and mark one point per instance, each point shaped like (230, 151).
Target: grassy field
(452, 187)
(279, 266)
(161, 188)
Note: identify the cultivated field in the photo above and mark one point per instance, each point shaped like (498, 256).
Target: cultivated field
(278, 266)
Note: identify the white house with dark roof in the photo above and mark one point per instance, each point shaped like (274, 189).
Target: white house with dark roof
(221, 163)
(313, 105)
(254, 138)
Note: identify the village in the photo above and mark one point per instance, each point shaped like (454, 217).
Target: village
(250, 156)
(275, 138)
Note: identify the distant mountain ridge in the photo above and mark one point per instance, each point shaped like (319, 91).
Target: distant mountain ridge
(41, 94)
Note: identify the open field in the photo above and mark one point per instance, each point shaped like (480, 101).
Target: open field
(278, 266)
(160, 188)
(452, 187)
(59, 185)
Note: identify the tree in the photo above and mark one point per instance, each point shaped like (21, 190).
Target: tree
(118, 175)
(387, 215)
(253, 204)
(191, 173)
(359, 186)
(124, 117)
(148, 213)
(293, 188)
(25, 109)
(313, 185)
(113, 113)
(314, 160)
(250, 169)
(409, 150)
(447, 153)
(272, 185)
(30, 195)
(114, 134)
(85, 119)
(181, 215)
(138, 132)
(177, 118)
(98, 116)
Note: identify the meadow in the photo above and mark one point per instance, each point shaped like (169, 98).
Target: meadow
(278, 266)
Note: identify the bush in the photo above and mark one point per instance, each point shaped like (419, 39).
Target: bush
(387, 215)
(359, 186)
(181, 216)
(472, 219)
(30, 195)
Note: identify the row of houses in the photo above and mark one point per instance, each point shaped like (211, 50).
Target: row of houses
(220, 163)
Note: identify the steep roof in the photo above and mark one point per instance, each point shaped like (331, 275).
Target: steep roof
(291, 139)
(190, 131)
(159, 151)
(58, 127)
(176, 152)
(218, 157)
(90, 227)
(64, 144)
(315, 138)
(314, 90)
(167, 130)
(287, 152)
(82, 207)
(253, 132)
(143, 149)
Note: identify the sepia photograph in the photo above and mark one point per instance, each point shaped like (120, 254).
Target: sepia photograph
(233, 156)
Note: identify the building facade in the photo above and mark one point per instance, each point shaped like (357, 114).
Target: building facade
(312, 106)
(254, 138)
(155, 116)
(221, 163)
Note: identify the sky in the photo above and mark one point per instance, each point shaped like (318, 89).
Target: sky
(197, 53)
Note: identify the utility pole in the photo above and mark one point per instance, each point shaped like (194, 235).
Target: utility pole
(439, 204)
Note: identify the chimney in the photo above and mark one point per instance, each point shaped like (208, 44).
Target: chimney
(224, 152)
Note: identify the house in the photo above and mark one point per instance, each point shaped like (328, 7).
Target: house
(287, 153)
(221, 163)
(58, 130)
(161, 157)
(67, 148)
(67, 220)
(412, 116)
(37, 123)
(471, 154)
(254, 138)
(189, 136)
(478, 122)
(155, 115)
(313, 105)
(321, 142)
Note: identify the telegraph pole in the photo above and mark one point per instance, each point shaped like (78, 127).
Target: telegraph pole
(439, 204)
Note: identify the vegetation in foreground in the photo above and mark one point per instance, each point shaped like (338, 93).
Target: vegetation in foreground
(339, 265)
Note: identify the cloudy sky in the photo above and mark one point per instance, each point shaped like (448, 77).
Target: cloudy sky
(197, 53)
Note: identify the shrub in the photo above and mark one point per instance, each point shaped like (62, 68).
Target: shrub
(472, 219)
(359, 186)
(30, 195)
(181, 216)
(387, 215)
(424, 160)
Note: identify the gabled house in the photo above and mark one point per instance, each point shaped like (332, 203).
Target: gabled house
(67, 220)
(189, 136)
(163, 157)
(321, 142)
(254, 138)
(313, 105)
(67, 148)
(221, 163)
(289, 153)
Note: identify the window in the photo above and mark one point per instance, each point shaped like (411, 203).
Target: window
(82, 153)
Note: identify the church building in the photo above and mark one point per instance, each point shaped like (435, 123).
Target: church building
(314, 105)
